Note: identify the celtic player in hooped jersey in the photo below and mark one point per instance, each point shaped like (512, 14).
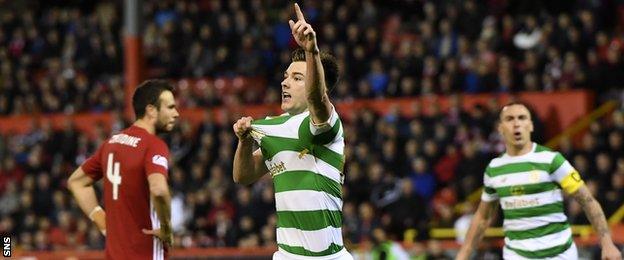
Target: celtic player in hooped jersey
(302, 150)
(528, 182)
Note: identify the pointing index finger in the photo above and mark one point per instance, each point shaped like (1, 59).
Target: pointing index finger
(299, 13)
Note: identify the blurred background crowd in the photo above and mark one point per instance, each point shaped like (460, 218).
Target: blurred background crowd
(67, 57)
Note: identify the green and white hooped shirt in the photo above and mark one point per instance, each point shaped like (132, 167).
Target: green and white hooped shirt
(306, 163)
(529, 188)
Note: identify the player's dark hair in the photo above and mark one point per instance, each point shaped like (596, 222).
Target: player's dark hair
(330, 66)
(148, 93)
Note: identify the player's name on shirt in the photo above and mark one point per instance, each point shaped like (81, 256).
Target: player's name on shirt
(125, 140)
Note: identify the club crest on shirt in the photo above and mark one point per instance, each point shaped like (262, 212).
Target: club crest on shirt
(534, 177)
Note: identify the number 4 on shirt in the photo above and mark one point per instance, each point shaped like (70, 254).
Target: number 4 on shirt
(112, 174)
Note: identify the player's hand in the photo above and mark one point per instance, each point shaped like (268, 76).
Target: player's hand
(99, 218)
(463, 254)
(165, 235)
(242, 127)
(610, 252)
(303, 33)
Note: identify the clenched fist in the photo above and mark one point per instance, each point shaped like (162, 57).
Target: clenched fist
(242, 127)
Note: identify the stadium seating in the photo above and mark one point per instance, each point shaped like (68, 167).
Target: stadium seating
(67, 59)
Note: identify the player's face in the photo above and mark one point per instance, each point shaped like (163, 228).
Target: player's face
(293, 88)
(516, 125)
(167, 112)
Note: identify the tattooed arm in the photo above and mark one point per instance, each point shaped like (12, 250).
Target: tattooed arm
(594, 213)
(480, 222)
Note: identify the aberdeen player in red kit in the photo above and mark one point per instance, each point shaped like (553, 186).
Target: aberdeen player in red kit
(133, 165)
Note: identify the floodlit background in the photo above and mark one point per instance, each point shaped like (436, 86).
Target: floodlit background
(422, 83)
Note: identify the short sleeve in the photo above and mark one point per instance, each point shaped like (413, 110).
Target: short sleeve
(489, 193)
(93, 165)
(562, 172)
(325, 132)
(157, 158)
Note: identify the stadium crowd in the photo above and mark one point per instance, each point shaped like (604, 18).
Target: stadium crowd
(69, 59)
(395, 166)
(56, 58)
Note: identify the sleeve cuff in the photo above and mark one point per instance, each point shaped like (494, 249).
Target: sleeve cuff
(487, 197)
(319, 128)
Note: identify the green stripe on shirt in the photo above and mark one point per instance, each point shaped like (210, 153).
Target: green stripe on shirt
(271, 145)
(557, 162)
(330, 157)
(328, 136)
(517, 190)
(516, 167)
(545, 230)
(544, 253)
(305, 134)
(556, 207)
(309, 220)
(298, 250)
(540, 148)
(306, 180)
(272, 121)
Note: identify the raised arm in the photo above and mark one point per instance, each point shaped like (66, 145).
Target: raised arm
(248, 165)
(596, 217)
(315, 86)
(81, 186)
(480, 222)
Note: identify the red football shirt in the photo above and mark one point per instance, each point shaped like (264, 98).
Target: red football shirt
(124, 161)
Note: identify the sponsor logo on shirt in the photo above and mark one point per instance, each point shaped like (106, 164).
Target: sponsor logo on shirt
(160, 160)
(517, 190)
(275, 168)
(520, 203)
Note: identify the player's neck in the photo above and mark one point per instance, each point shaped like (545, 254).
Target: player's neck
(145, 125)
(518, 151)
(293, 112)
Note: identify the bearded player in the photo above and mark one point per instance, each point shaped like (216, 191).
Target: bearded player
(134, 165)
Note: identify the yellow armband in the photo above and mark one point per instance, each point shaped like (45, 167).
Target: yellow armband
(572, 182)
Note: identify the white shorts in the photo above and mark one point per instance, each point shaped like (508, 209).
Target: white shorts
(283, 255)
(570, 254)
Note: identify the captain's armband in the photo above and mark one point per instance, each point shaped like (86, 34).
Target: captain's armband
(572, 182)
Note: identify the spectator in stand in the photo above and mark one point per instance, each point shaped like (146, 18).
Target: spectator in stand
(68, 59)
(201, 201)
(78, 48)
